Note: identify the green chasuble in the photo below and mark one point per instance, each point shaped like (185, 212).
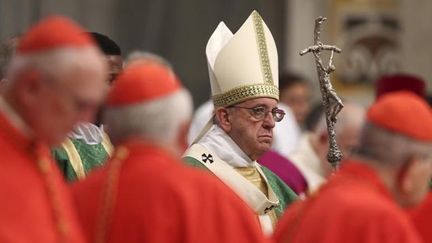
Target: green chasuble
(75, 158)
(283, 192)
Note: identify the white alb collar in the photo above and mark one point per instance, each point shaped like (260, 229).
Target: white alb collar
(90, 133)
(219, 142)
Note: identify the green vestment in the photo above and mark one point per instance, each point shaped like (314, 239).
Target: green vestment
(76, 158)
(283, 192)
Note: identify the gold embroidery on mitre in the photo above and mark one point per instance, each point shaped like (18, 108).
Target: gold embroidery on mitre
(246, 92)
(262, 48)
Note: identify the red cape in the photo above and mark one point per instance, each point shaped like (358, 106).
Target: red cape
(161, 200)
(422, 218)
(26, 207)
(354, 206)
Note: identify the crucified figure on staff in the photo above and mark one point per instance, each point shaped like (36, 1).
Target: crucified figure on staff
(332, 103)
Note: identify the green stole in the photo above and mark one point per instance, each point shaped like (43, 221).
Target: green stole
(279, 195)
(76, 158)
(284, 193)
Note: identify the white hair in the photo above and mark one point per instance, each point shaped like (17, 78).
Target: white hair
(388, 148)
(147, 56)
(57, 62)
(158, 121)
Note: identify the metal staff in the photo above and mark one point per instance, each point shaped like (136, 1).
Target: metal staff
(332, 103)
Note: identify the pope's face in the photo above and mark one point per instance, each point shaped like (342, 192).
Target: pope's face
(253, 136)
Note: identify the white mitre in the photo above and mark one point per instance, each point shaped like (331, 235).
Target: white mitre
(244, 65)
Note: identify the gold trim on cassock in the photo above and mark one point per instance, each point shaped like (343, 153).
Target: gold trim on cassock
(74, 158)
(106, 144)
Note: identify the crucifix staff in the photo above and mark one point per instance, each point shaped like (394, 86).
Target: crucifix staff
(332, 103)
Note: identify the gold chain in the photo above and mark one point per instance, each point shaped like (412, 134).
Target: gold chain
(110, 193)
(45, 167)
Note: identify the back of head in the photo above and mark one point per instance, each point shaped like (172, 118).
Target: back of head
(397, 142)
(146, 56)
(112, 53)
(57, 59)
(147, 101)
(399, 82)
(106, 44)
(400, 122)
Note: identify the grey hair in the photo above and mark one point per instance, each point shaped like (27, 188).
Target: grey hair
(389, 149)
(147, 56)
(158, 121)
(55, 63)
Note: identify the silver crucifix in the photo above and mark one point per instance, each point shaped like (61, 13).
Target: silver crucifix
(332, 103)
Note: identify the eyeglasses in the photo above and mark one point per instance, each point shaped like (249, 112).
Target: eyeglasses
(260, 112)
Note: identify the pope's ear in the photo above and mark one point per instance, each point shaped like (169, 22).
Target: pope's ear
(222, 117)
